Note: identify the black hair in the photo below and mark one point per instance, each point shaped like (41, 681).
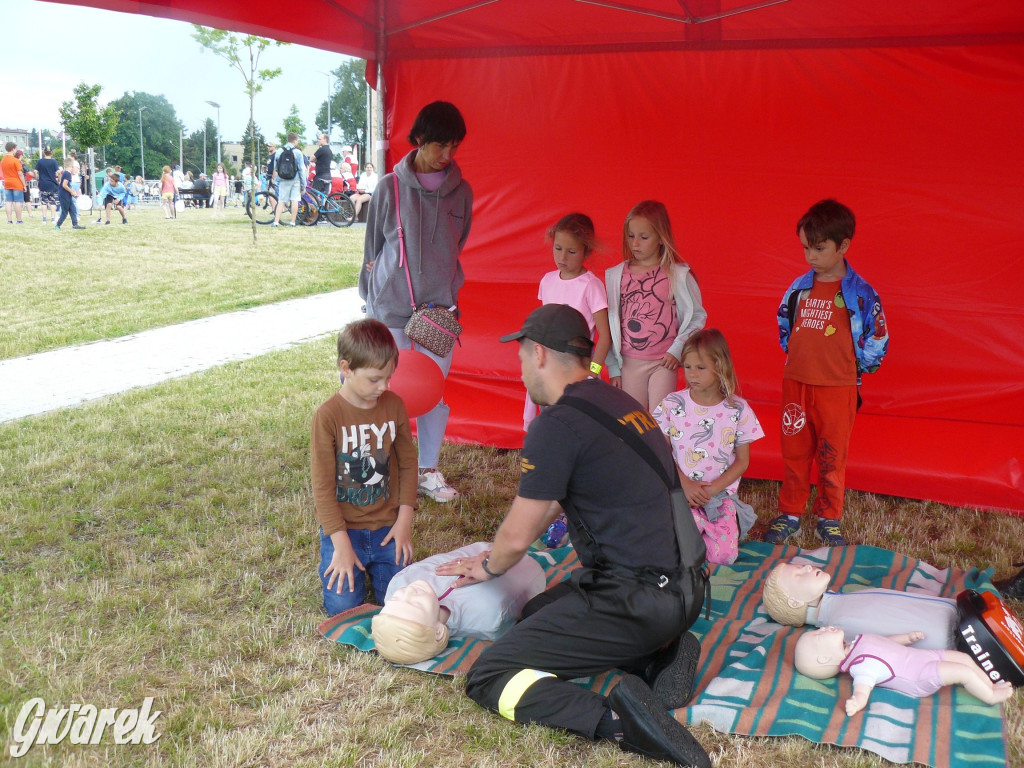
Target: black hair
(439, 121)
(827, 220)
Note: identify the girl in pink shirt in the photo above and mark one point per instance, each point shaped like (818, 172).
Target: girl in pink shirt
(572, 241)
(654, 306)
(220, 189)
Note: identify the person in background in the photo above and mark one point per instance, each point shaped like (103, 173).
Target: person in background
(48, 173)
(220, 189)
(167, 192)
(322, 164)
(365, 187)
(66, 196)
(14, 182)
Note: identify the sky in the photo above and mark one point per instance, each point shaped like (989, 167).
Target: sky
(33, 88)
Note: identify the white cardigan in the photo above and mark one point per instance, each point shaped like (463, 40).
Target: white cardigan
(689, 310)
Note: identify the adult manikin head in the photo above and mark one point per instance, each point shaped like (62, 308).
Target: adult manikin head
(790, 589)
(408, 628)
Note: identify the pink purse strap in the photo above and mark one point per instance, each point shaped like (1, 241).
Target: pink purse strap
(402, 258)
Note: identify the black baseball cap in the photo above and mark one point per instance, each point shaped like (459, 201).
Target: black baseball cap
(555, 326)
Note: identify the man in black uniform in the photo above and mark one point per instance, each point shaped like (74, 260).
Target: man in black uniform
(620, 609)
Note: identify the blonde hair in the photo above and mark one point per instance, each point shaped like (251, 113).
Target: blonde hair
(401, 641)
(710, 343)
(776, 601)
(657, 214)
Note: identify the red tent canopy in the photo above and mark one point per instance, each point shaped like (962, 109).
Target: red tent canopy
(738, 115)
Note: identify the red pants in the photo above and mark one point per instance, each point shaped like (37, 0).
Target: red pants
(816, 426)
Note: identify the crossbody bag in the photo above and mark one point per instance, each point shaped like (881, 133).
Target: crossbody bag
(432, 327)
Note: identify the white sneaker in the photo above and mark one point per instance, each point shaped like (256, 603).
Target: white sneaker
(433, 485)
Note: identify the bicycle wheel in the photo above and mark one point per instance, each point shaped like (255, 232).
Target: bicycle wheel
(340, 210)
(262, 205)
(309, 213)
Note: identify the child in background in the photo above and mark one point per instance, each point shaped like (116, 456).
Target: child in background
(66, 195)
(832, 327)
(572, 241)
(364, 471)
(167, 190)
(112, 194)
(710, 428)
(654, 305)
(888, 663)
(220, 189)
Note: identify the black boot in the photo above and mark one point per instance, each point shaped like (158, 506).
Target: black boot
(649, 730)
(1012, 587)
(672, 673)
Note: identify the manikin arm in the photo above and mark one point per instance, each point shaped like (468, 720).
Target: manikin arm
(907, 637)
(859, 700)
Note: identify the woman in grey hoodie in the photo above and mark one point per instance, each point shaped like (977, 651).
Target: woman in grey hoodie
(436, 206)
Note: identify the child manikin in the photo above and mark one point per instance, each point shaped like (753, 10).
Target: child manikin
(887, 662)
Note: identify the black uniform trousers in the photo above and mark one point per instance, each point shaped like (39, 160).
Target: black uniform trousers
(589, 625)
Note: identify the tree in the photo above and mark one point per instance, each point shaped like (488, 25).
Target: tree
(90, 125)
(292, 124)
(348, 103)
(243, 53)
(160, 134)
(253, 137)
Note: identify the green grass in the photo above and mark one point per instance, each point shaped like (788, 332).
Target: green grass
(70, 287)
(162, 543)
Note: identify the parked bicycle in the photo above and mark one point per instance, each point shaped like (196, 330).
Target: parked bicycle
(314, 205)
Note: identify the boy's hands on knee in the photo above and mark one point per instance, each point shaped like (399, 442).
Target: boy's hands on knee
(343, 563)
(401, 533)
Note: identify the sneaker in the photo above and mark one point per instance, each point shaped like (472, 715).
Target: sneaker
(76, 226)
(1013, 587)
(649, 730)
(673, 671)
(57, 227)
(106, 223)
(274, 224)
(433, 485)
(782, 528)
(124, 221)
(557, 533)
(828, 532)
(291, 223)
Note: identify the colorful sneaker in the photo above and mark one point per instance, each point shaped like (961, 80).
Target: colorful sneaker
(433, 485)
(557, 533)
(828, 532)
(782, 528)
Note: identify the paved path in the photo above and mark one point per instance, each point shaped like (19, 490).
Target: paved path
(74, 375)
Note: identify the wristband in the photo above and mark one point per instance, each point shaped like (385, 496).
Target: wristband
(596, 368)
(488, 571)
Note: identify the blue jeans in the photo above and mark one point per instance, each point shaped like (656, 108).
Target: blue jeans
(379, 563)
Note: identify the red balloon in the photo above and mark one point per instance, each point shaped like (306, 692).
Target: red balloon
(418, 381)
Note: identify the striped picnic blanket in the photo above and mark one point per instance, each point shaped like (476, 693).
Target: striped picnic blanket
(746, 681)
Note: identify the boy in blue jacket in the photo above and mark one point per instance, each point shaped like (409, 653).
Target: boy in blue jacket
(832, 327)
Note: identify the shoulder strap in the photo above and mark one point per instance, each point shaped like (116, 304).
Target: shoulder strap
(626, 435)
(402, 258)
